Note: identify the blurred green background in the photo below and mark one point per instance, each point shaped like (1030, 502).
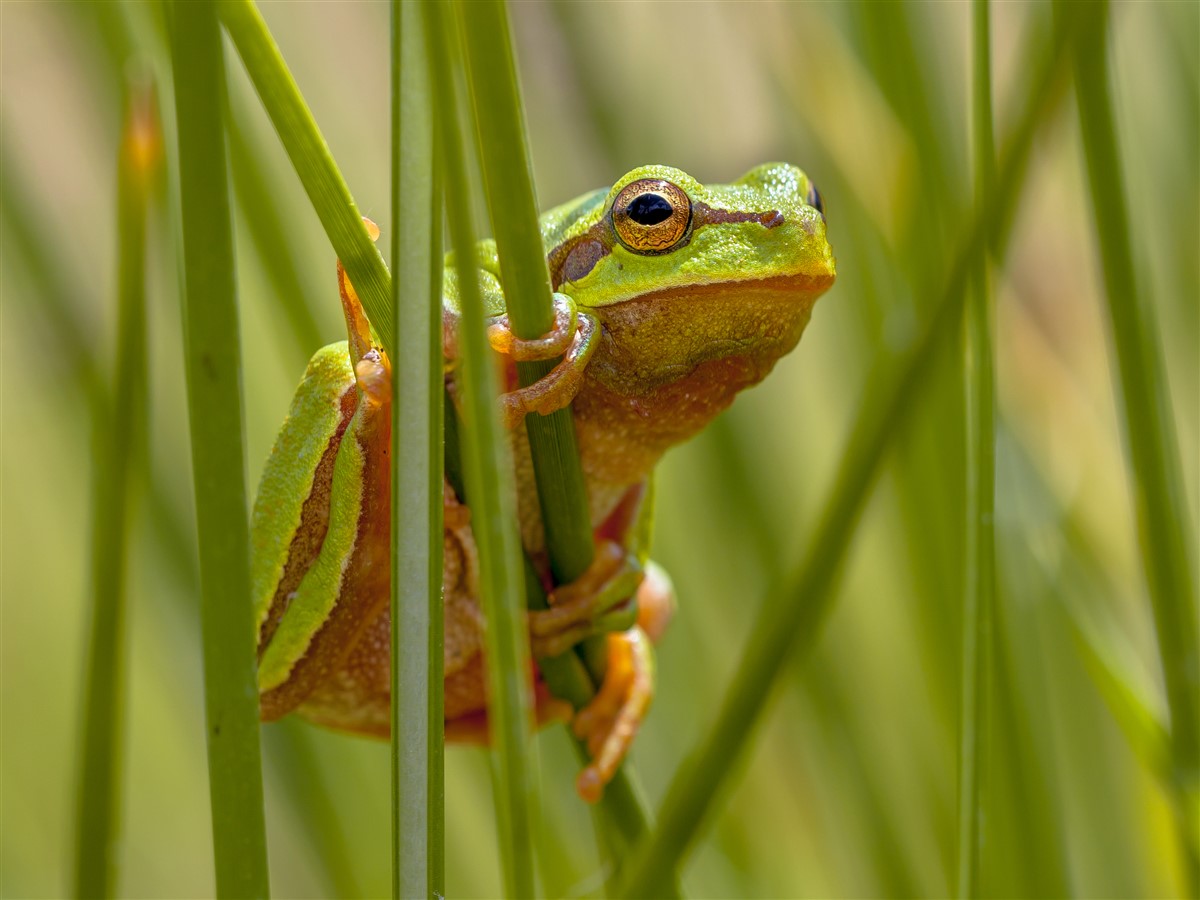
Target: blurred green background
(850, 789)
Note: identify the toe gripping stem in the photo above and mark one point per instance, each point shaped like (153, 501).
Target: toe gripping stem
(573, 336)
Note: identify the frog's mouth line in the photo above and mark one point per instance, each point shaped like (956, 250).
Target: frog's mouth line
(809, 287)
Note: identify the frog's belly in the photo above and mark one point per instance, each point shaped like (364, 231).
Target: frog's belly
(358, 697)
(604, 492)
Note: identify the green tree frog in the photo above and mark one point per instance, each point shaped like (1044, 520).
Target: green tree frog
(670, 297)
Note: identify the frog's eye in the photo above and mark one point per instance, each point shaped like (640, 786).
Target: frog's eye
(814, 199)
(652, 216)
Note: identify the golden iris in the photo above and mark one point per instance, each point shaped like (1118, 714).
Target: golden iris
(652, 216)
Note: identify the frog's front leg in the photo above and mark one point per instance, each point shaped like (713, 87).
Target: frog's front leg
(574, 337)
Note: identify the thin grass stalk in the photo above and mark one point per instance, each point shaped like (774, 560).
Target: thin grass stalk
(1164, 529)
(793, 614)
(418, 818)
(979, 598)
(487, 467)
(508, 179)
(171, 540)
(311, 159)
(119, 438)
(213, 356)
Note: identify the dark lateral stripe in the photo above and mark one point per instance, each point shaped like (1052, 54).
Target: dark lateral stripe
(703, 214)
(575, 258)
(314, 523)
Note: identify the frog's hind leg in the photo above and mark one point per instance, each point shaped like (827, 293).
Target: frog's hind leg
(609, 723)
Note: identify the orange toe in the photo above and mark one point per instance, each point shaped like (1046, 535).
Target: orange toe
(610, 722)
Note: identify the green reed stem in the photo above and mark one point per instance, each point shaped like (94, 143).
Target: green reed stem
(980, 593)
(487, 466)
(119, 439)
(213, 354)
(311, 159)
(1164, 529)
(418, 815)
(508, 179)
(793, 614)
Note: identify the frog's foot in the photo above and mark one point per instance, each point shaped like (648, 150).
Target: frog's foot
(610, 721)
(574, 337)
(601, 600)
(656, 601)
(374, 377)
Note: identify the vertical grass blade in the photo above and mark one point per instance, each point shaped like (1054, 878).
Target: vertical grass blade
(487, 469)
(508, 179)
(311, 158)
(980, 591)
(418, 823)
(792, 616)
(118, 446)
(213, 356)
(1164, 529)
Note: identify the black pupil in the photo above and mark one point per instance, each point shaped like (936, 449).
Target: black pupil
(649, 209)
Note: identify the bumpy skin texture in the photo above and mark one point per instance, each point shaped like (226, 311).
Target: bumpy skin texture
(679, 330)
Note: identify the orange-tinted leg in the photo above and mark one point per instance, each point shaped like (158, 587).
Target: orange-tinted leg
(609, 723)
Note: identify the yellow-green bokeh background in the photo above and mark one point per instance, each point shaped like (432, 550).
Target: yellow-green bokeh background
(850, 786)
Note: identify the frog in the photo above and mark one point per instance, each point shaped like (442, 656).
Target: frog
(670, 297)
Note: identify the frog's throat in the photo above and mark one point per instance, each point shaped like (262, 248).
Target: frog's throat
(671, 360)
(662, 336)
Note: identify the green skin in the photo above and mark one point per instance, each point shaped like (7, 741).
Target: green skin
(668, 321)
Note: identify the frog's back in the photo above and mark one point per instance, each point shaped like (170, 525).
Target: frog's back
(312, 421)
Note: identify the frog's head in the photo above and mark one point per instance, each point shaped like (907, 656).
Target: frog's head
(681, 274)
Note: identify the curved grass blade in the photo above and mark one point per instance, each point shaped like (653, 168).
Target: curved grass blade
(213, 354)
(271, 240)
(793, 615)
(311, 159)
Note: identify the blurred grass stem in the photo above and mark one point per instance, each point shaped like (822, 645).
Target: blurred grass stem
(980, 588)
(119, 439)
(792, 616)
(1164, 529)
